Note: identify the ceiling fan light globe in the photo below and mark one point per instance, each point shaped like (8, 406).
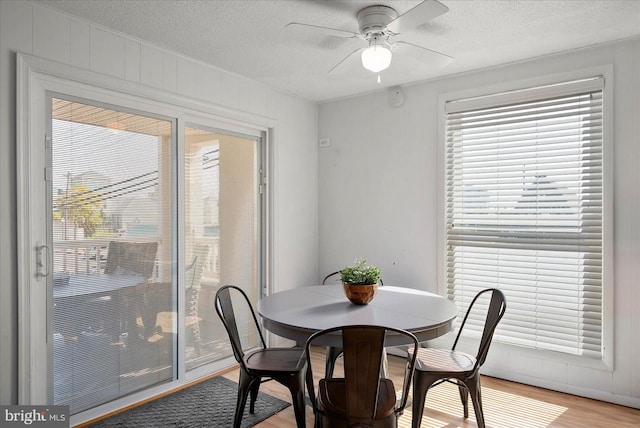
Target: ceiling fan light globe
(376, 58)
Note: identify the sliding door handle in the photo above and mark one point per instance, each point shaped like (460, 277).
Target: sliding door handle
(42, 260)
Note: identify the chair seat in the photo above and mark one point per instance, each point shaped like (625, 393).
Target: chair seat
(444, 360)
(332, 397)
(275, 359)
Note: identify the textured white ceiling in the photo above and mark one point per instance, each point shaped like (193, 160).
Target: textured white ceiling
(248, 37)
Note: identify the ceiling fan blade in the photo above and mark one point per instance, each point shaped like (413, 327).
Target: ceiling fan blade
(348, 63)
(325, 30)
(424, 12)
(420, 53)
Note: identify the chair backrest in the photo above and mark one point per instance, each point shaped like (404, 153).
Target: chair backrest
(362, 346)
(131, 258)
(494, 311)
(330, 276)
(337, 273)
(226, 297)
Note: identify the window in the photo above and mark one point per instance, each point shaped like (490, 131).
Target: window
(524, 211)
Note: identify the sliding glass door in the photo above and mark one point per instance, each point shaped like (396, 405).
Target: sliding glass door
(111, 229)
(222, 233)
(138, 219)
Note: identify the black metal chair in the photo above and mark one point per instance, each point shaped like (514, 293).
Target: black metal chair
(435, 366)
(286, 366)
(362, 398)
(333, 353)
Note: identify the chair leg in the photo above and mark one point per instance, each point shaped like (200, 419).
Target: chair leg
(422, 381)
(332, 355)
(464, 397)
(476, 398)
(254, 395)
(244, 387)
(299, 407)
(296, 384)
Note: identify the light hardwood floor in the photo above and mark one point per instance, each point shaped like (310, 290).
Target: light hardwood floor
(506, 405)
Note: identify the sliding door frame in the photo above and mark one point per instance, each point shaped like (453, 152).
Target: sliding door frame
(35, 78)
(261, 138)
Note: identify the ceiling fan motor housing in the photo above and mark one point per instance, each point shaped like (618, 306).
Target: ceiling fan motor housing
(374, 19)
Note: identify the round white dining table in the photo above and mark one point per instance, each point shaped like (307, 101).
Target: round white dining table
(297, 313)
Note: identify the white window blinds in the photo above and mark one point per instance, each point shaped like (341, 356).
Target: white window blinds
(524, 211)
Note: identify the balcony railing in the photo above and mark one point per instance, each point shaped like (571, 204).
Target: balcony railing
(90, 255)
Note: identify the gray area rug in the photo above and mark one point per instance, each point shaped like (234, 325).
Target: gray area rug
(207, 404)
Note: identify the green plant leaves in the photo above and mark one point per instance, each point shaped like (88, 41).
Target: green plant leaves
(360, 273)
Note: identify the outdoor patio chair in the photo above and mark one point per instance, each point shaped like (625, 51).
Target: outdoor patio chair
(193, 275)
(134, 259)
(131, 258)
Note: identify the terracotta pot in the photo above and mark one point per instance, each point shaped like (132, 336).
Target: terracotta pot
(360, 294)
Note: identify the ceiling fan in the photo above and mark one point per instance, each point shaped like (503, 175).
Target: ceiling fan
(379, 27)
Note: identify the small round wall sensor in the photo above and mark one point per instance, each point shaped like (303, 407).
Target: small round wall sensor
(396, 97)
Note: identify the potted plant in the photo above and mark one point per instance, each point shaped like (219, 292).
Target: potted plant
(360, 282)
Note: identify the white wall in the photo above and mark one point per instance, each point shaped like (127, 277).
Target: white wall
(36, 30)
(378, 190)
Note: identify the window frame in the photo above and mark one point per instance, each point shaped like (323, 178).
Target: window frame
(482, 95)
